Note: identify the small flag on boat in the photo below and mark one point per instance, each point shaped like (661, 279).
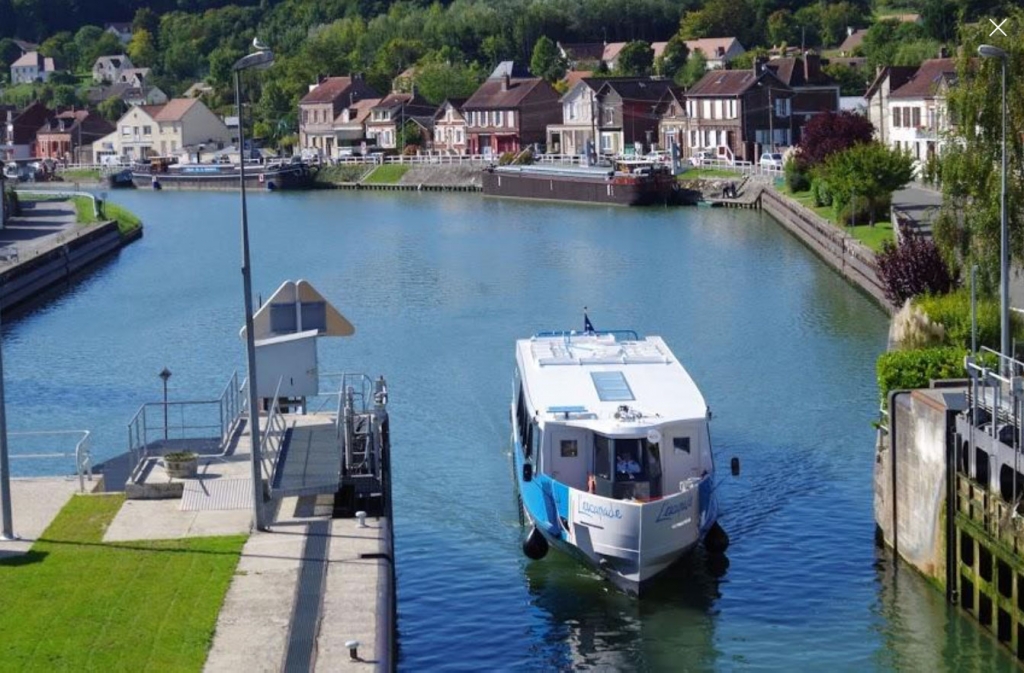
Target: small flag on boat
(588, 327)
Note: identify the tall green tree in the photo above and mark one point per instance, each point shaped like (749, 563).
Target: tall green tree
(673, 58)
(546, 61)
(695, 68)
(142, 49)
(868, 171)
(719, 18)
(969, 226)
(635, 60)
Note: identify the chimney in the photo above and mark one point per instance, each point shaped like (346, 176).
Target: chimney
(943, 52)
(504, 82)
(759, 65)
(812, 66)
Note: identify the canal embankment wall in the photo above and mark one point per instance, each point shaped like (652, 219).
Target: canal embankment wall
(845, 254)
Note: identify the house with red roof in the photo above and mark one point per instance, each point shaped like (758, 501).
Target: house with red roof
(163, 130)
(917, 113)
(509, 112)
(319, 108)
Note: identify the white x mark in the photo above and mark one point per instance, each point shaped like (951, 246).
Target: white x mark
(998, 27)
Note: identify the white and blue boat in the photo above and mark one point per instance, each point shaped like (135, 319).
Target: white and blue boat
(612, 453)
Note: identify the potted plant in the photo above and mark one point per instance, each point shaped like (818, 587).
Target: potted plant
(181, 464)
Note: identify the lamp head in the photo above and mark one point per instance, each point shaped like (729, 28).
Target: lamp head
(259, 60)
(988, 51)
(165, 374)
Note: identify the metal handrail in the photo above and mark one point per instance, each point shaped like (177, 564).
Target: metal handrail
(229, 410)
(82, 452)
(273, 437)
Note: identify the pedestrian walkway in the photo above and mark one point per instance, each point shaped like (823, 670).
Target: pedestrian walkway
(34, 505)
(41, 226)
(916, 206)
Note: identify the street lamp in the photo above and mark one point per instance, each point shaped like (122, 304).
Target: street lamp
(262, 58)
(988, 51)
(164, 375)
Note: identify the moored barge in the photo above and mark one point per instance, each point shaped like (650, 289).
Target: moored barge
(627, 183)
(160, 173)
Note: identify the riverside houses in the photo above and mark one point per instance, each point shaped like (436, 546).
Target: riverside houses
(32, 67)
(627, 122)
(509, 112)
(68, 136)
(321, 106)
(350, 126)
(18, 132)
(578, 119)
(918, 120)
(109, 68)
(162, 130)
(450, 127)
(814, 92)
(733, 113)
(672, 120)
(386, 125)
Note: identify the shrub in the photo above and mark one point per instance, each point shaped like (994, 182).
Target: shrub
(913, 267)
(797, 179)
(524, 158)
(953, 312)
(820, 192)
(903, 370)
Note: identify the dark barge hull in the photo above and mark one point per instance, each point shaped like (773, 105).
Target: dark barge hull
(290, 178)
(645, 191)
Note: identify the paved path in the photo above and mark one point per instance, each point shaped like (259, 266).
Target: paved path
(918, 204)
(34, 505)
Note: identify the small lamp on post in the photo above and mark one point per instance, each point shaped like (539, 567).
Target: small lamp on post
(164, 375)
(262, 58)
(988, 51)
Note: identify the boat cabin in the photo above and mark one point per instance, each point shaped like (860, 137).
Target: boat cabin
(618, 418)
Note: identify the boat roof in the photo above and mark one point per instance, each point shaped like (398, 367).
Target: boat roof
(585, 380)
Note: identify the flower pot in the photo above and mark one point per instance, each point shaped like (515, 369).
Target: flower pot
(181, 466)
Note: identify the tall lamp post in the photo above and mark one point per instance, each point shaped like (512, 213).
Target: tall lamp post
(262, 58)
(164, 375)
(988, 51)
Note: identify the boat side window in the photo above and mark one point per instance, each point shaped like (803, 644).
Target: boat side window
(602, 457)
(681, 444)
(569, 448)
(535, 444)
(629, 460)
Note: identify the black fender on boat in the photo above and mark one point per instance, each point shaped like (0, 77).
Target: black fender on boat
(535, 546)
(717, 540)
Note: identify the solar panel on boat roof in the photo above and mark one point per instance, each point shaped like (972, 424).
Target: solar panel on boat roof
(612, 387)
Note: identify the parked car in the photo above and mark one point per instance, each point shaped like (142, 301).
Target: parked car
(701, 157)
(660, 157)
(771, 160)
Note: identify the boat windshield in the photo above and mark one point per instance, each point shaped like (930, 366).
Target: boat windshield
(627, 467)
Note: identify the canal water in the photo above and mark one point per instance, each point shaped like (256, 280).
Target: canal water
(439, 287)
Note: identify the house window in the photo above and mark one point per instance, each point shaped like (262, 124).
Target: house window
(895, 117)
(458, 135)
(305, 116)
(732, 109)
(147, 130)
(569, 448)
(606, 142)
(916, 119)
(126, 131)
(570, 111)
(609, 115)
(782, 107)
(716, 113)
(511, 118)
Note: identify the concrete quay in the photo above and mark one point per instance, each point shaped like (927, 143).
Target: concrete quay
(302, 590)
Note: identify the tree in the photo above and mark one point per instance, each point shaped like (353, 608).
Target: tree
(831, 132)
(912, 268)
(835, 17)
(867, 171)
(111, 109)
(673, 58)
(852, 81)
(695, 68)
(147, 20)
(546, 62)
(968, 229)
(782, 28)
(719, 18)
(142, 49)
(635, 59)
(62, 48)
(436, 81)
(9, 53)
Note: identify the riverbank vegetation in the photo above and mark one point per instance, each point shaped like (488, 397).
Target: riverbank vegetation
(387, 174)
(76, 603)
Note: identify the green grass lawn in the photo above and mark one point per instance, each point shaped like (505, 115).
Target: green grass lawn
(701, 173)
(127, 221)
(81, 175)
(387, 174)
(871, 236)
(84, 208)
(75, 603)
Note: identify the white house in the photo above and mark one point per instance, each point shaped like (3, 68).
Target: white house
(578, 122)
(109, 68)
(122, 31)
(160, 130)
(909, 108)
(32, 67)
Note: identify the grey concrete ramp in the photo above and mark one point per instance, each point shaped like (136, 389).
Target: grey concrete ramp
(310, 461)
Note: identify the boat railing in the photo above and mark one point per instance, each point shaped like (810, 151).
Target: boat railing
(619, 334)
(54, 446)
(164, 423)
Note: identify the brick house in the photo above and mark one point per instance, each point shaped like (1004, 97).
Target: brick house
(509, 112)
(18, 132)
(450, 127)
(814, 92)
(321, 106)
(384, 127)
(626, 107)
(672, 120)
(68, 136)
(737, 114)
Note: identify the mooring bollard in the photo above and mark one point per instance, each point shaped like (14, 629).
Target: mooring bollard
(353, 649)
(361, 516)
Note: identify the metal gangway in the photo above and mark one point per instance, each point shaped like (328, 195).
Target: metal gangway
(342, 451)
